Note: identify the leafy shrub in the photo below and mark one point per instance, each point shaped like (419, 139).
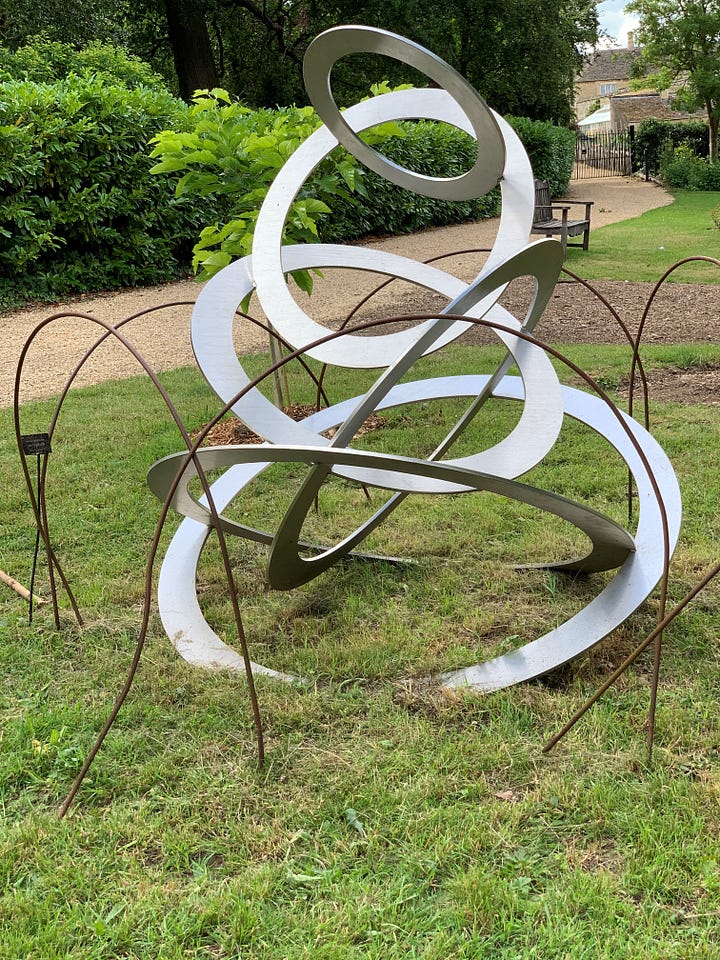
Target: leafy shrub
(78, 208)
(232, 154)
(45, 61)
(551, 150)
(681, 168)
(653, 137)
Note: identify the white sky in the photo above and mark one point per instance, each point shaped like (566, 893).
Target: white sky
(616, 22)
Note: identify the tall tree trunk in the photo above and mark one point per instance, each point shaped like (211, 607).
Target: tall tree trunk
(713, 122)
(192, 51)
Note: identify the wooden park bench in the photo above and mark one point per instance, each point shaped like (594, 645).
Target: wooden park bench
(546, 222)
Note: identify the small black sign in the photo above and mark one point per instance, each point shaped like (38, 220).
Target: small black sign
(36, 444)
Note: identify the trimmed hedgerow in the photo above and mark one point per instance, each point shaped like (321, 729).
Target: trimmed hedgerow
(45, 61)
(427, 148)
(551, 150)
(440, 150)
(232, 153)
(78, 207)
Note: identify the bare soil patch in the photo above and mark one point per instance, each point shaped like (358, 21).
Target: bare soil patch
(232, 431)
(700, 384)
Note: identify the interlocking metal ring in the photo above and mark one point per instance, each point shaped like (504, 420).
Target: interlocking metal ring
(324, 52)
(640, 558)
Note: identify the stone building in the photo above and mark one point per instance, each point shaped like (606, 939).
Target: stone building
(606, 73)
(604, 100)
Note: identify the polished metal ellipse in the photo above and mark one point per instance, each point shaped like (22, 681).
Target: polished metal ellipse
(198, 643)
(330, 46)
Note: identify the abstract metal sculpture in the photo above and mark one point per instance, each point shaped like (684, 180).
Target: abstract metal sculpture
(641, 559)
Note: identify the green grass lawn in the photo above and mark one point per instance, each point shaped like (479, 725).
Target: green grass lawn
(389, 821)
(645, 247)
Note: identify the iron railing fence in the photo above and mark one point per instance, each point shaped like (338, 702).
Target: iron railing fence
(603, 155)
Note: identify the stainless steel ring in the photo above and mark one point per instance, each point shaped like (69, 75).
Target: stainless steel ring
(329, 47)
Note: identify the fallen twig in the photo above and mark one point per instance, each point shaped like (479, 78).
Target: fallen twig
(19, 588)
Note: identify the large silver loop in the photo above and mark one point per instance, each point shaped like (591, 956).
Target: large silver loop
(492, 469)
(327, 48)
(199, 644)
(287, 316)
(539, 425)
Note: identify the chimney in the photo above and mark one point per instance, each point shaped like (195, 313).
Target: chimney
(630, 41)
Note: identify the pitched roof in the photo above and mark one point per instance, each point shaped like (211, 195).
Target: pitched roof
(598, 116)
(609, 65)
(635, 107)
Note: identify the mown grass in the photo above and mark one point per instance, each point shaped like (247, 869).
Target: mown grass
(390, 820)
(657, 240)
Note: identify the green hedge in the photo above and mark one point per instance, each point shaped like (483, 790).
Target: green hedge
(78, 207)
(45, 61)
(440, 150)
(551, 150)
(428, 148)
(653, 138)
(681, 169)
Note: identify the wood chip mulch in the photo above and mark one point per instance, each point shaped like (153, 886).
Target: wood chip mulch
(231, 431)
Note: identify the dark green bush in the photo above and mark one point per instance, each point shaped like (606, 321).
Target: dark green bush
(439, 150)
(551, 150)
(654, 137)
(78, 207)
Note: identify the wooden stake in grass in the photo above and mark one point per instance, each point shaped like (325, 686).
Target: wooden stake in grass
(18, 587)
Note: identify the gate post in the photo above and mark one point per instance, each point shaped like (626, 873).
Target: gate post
(631, 132)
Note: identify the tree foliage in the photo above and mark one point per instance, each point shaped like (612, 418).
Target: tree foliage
(44, 61)
(522, 55)
(682, 37)
(227, 151)
(77, 22)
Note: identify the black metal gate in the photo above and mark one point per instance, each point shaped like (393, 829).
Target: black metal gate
(603, 155)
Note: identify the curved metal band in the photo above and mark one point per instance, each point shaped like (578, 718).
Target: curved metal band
(525, 446)
(198, 643)
(527, 443)
(611, 543)
(327, 48)
(499, 151)
(286, 315)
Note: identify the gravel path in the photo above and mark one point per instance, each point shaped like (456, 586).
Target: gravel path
(163, 337)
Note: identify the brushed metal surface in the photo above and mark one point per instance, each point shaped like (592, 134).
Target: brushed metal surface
(639, 559)
(324, 52)
(273, 292)
(631, 585)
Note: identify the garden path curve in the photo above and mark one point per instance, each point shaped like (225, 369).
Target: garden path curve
(164, 337)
